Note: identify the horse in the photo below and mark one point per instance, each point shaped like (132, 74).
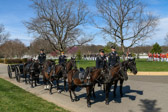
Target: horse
(47, 72)
(129, 64)
(115, 73)
(88, 82)
(34, 72)
(61, 72)
(26, 70)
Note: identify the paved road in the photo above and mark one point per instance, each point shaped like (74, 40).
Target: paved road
(142, 94)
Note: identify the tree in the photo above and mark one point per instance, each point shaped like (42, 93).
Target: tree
(3, 35)
(37, 44)
(125, 21)
(59, 22)
(79, 55)
(156, 48)
(13, 48)
(107, 48)
(166, 39)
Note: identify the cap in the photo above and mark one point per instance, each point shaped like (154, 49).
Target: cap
(41, 49)
(101, 50)
(113, 47)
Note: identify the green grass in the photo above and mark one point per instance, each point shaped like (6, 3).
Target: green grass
(142, 65)
(15, 99)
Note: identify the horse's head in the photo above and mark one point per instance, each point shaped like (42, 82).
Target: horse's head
(123, 72)
(34, 67)
(132, 66)
(71, 63)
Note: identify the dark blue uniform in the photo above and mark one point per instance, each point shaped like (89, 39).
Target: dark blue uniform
(42, 58)
(62, 59)
(113, 58)
(101, 62)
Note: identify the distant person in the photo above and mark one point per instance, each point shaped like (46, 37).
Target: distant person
(113, 57)
(42, 56)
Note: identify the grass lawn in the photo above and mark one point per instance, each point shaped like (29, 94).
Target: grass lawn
(142, 65)
(15, 99)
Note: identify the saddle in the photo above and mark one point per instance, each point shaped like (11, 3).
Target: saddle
(81, 74)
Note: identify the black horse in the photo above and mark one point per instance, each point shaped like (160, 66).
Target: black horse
(118, 72)
(34, 73)
(129, 64)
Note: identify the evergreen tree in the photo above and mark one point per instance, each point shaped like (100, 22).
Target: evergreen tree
(156, 48)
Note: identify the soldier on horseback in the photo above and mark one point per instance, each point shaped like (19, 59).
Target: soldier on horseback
(62, 59)
(42, 56)
(113, 57)
(101, 60)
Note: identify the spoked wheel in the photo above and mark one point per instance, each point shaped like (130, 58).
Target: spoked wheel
(9, 71)
(17, 73)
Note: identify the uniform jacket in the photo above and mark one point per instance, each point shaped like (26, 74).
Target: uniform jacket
(113, 58)
(62, 59)
(42, 57)
(101, 62)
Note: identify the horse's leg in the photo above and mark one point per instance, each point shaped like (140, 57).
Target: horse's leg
(57, 81)
(108, 86)
(70, 92)
(51, 84)
(115, 87)
(73, 90)
(36, 80)
(93, 90)
(88, 90)
(121, 85)
(31, 80)
(44, 82)
(65, 84)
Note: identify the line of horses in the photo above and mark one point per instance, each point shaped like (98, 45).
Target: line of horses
(86, 78)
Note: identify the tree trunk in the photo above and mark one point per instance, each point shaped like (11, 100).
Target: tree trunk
(123, 50)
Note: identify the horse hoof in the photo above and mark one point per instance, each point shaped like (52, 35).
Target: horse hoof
(32, 87)
(89, 105)
(50, 93)
(76, 99)
(72, 100)
(59, 91)
(107, 103)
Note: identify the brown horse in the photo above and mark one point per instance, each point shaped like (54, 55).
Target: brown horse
(47, 72)
(88, 82)
(61, 72)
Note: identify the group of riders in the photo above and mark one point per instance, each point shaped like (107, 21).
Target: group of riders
(104, 73)
(101, 60)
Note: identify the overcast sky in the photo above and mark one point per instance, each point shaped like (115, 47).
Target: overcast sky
(14, 12)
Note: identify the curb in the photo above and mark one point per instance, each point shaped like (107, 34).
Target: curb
(150, 73)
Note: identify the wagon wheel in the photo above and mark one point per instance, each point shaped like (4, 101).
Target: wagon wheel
(9, 71)
(17, 73)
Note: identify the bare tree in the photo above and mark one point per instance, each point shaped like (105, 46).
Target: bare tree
(125, 21)
(59, 22)
(13, 48)
(166, 39)
(37, 44)
(3, 35)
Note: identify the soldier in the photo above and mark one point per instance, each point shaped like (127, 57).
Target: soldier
(113, 57)
(62, 59)
(101, 59)
(42, 56)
